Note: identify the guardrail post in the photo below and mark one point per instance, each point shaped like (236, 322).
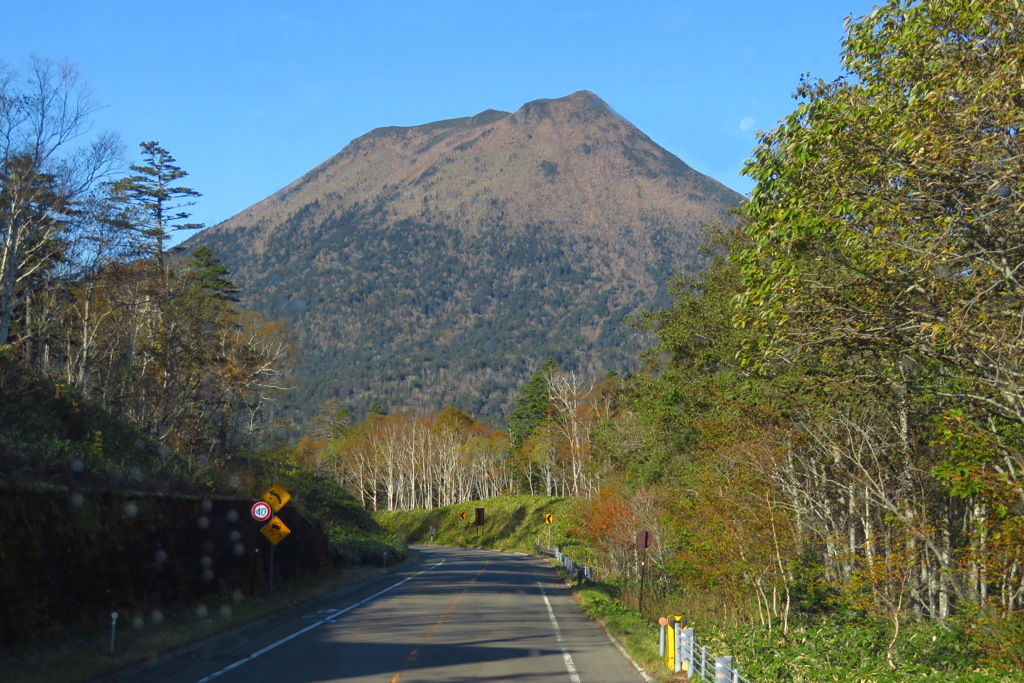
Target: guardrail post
(686, 649)
(663, 622)
(671, 627)
(677, 634)
(723, 669)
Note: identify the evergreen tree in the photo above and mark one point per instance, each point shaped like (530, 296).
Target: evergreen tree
(332, 421)
(157, 202)
(208, 273)
(533, 406)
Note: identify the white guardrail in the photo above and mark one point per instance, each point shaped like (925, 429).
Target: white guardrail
(682, 653)
(577, 570)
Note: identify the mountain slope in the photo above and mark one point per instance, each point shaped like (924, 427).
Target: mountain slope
(442, 263)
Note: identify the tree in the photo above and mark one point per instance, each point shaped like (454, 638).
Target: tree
(885, 244)
(157, 202)
(209, 273)
(533, 406)
(44, 173)
(331, 421)
(578, 410)
(886, 216)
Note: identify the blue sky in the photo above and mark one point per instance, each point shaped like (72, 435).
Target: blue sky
(250, 95)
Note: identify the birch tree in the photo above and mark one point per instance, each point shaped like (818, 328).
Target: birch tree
(47, 165)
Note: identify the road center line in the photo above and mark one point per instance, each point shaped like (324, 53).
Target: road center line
(333, 615)
(569, 665)
(444, 617)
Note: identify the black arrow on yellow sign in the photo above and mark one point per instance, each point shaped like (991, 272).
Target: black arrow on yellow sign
(549, 518)
(462, 515)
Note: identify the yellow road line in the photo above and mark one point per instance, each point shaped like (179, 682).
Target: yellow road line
(433, 629)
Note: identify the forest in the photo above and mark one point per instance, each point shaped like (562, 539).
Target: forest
(826, 434)
(93, 298)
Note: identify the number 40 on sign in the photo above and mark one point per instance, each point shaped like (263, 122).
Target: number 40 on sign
(261, 512)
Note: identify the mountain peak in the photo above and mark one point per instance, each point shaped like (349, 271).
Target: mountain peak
(580, 104)
(467, 250)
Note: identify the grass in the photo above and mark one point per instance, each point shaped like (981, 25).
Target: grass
(635, 633)
(511, 523)
(85, 654)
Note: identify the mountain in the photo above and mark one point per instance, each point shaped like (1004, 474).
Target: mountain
(442, 263)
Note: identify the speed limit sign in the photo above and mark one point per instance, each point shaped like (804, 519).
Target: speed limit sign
(261, 512)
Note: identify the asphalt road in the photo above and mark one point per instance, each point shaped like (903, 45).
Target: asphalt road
(461, 615)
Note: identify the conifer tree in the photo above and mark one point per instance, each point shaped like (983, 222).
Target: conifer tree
(210, 274)
(158, 203)
(533, 406)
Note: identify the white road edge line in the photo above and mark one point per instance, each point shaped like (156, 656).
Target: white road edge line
(332, 615)
(569, 665)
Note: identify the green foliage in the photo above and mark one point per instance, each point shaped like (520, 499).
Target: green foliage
(880, 226)
(532, 407)
(549, 168)
(811, 592)
(997, 637)
(353, 547)
(637, 634)
(512, 523)
(837, 650)
(207, 272)
(157, 203)
(49, 432)
(883, 249)
(692, 388)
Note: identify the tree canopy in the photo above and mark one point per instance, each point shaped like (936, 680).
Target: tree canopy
(159, 205)
(886, 217)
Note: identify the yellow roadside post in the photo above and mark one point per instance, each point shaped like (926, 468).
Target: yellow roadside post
(670, 626)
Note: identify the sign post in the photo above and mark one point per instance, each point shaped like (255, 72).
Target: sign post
(643, 540)
(272, 500)
(549, 519)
